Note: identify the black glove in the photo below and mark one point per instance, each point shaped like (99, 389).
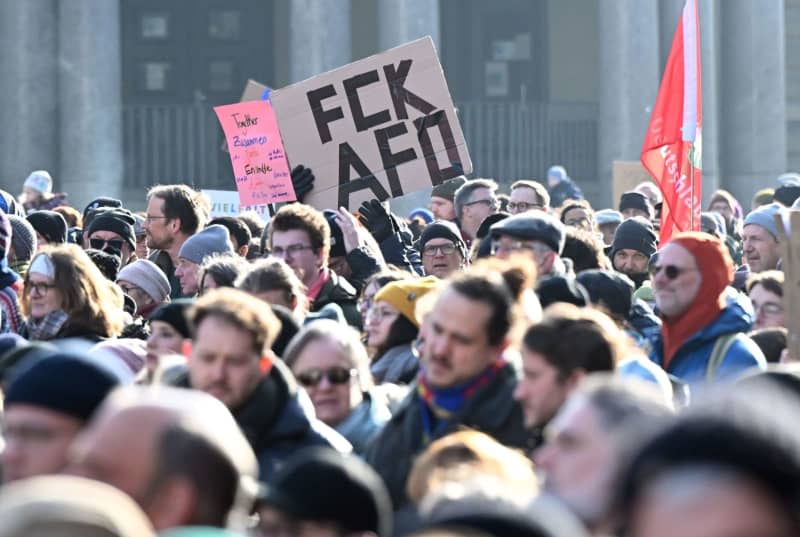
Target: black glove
(377, 220)
(302, 181)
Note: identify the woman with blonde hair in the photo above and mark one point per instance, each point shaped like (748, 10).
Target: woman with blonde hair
(66, 296)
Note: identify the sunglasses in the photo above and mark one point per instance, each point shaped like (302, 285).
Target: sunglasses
(335, 375)
(670, 271)
(99, 244)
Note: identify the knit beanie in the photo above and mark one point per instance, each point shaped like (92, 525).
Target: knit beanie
(23, 238)
(635, 234)
(724, 195)
(442, 229)
(40, 181)
(561, 289)
(612, 290)
(146, 275)
(215, 239)
(337, 237)
(787, 194)
(403, 295)
(61, 382)
(765, 217)
(447, 189)
(712, 222)
(635, 200)
(50, 225)
(712, 257)
(174, 314)
(532, 226)
(119, 221)
(423, 213)
(99, 203)
(5, 235)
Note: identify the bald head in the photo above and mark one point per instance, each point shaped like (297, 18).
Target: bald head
(178, 453)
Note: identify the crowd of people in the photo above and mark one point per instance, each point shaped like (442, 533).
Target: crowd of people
(496, 364)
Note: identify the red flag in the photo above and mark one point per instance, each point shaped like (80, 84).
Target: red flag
(671, 153)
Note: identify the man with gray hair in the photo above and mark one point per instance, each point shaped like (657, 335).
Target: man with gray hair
(473, 202)
(178, 453)
(603, 420)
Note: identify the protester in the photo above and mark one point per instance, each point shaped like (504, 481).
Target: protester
(11, 284)
(584, 250)
(651, 191)
(174, 213)
(45, 406)
(464, 379)
(442, 198)
(578, 214)
(331, 363)
(633, 204)
(442, 249)
(300, 235)
(596, 429)
(635, 241)
(186, 461)
(608, 220)
(112, 231)
(473, 202)
(355, 254)
(238, 231)
(37, 193)
(146, 284)
(536, 234)
(231, 359)
(703, 337)
(142, 251)
(274, 282)
(50, 227)
(765, 290)
(392, 328)
(23, 244)
(724, 203)
(66, 295)
(561, 187)
(208, 241)
(772, 342)
(527, 195)
(168, 332)
(321, 492)
(760, 238)
(371, 287)
(220, 270)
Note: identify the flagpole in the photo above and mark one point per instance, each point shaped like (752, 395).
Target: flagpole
(691, 174)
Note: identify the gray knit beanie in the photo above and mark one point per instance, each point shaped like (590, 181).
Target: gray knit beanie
(23, 238)
(764, 217)
(215, 239)
(148, 277)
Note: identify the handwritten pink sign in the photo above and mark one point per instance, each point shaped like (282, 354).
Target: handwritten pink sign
(259, 161)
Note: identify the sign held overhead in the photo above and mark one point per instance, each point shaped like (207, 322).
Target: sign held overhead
(378, 128)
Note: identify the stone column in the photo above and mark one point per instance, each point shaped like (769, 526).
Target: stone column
(400, 21)
(319, 37)
(710, 59)
(753, 98)
(90, 99)
(629, 78)
(28, 86)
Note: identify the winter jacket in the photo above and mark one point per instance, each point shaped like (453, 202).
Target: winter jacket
(365, 421)
(56, 200)
(492, 410)
(398, 365)
(278, 419)
(691, 361)
(565, 190)
(337, 290)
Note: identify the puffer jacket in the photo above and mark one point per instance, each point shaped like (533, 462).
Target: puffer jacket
(691, 362)
(337, 290)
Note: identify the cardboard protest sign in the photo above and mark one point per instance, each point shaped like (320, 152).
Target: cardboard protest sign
(626, 175)
(259, 162)
(378, 128)
(226, 203)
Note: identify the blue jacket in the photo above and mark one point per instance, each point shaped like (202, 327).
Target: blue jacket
(691, 361)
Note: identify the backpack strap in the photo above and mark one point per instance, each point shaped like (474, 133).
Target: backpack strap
(718, 352)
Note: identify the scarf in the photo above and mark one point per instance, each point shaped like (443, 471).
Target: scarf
(317, 285)
(716, 268)
(47, 327)
(439, 405)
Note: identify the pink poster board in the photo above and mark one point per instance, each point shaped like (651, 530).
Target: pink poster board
(257, 155)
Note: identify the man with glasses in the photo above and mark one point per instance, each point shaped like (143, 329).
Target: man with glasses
(442, 249)
(301, 236)
(527, 195)
(112, 232)
(233, 361)
(174, 213)
(474, 201)
(46, 406)
(702, 337)
(536, 234)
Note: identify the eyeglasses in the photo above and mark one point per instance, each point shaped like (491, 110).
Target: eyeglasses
(291, 250)
(149, 218)
(335, 375)
(491, 202)
(523, 206)
(518, 246)
(670, 271)
(100, 244)
(41, 288)
(442, 249)
(379, 314)
(769, 308)
(364, 304)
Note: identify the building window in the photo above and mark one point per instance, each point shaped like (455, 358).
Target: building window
(225, 25)
(156, 76)
(220, 75)
(155, 26)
